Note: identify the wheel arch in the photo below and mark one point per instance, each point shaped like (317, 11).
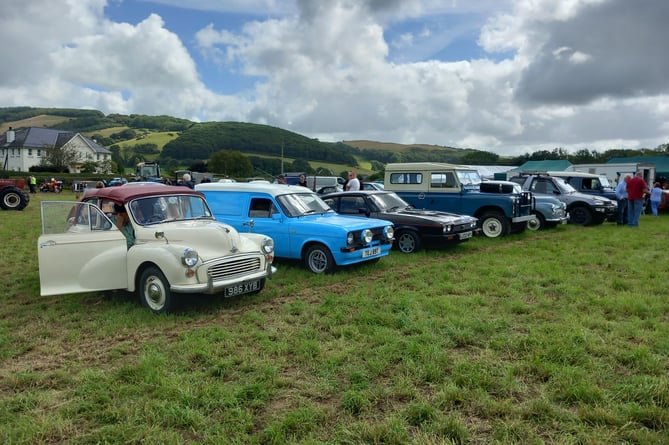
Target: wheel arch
(307, 245)
(489, 208)
(133, 276)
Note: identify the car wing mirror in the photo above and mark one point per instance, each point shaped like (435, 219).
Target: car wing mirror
(161, 235)
(250, 223)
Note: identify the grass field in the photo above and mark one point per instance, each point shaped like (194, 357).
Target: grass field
(558, 337)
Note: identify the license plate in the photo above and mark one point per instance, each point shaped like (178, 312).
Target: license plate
(465, 235)
(239, 289)
(371, 252)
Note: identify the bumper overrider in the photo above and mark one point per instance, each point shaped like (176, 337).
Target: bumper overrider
(232, 275)
(608, 210)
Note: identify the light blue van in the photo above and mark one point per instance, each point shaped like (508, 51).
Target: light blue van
(302, 225)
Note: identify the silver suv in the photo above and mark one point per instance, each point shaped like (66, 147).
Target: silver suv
(584, 210)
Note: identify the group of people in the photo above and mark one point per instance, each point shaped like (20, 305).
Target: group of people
(352, 184)
(631, 193)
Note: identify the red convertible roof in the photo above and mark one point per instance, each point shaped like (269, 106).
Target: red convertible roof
(127, 193)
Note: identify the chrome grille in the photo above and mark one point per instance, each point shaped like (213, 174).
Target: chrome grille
(377, 234)
(463, 227)
(233, 268)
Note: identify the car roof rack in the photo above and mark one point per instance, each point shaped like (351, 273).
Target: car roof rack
(533, 172)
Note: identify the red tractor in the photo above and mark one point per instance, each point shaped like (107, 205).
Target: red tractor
(12, 194)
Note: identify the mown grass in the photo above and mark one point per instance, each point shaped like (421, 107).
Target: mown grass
(553, 337)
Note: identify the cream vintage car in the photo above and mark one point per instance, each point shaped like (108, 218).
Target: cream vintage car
(178, 247)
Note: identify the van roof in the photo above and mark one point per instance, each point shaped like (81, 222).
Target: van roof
(272, 189)
(564, 174)
(425, 166)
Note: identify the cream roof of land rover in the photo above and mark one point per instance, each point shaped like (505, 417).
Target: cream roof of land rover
(429, 166)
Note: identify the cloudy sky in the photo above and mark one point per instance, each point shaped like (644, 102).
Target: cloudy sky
(506, 76)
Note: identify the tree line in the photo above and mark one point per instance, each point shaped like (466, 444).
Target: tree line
(221, 143)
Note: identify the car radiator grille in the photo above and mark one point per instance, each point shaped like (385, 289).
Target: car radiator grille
(377, 233)
(462, 227)
(231, 269)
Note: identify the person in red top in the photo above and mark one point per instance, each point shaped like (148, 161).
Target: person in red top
(636, 189)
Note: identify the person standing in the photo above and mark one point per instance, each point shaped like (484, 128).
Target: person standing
(621, 195)
(33, 183)
(655, 198)
(353, 185)
(187, 181)
(636, 189)
(303, 181)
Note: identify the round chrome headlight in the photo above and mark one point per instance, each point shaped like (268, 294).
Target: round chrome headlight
(367, 236)
(189, 257)
(350, 238)
(390, 232)
(447, 228)
(267, 245)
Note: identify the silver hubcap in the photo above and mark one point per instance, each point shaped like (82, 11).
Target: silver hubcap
(406, 243)
(492, 228)
(155, 293)
(317, 261)
(534, 223)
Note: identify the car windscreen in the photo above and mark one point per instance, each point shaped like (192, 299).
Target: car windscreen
(604, 182)
(468, 177)
(388, 201)
(564, 186)
(299, 204)
(157, 209)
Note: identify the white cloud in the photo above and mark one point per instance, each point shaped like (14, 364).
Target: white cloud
(560, 74)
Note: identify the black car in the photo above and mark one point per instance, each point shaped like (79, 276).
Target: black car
(414, 228)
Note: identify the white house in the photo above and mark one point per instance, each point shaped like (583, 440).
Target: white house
(25, 148)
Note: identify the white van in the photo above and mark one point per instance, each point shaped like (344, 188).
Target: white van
(320, 184)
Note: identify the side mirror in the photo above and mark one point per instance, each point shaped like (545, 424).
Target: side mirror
(250, 223)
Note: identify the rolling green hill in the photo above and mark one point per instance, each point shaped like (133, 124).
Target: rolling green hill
(179, 142)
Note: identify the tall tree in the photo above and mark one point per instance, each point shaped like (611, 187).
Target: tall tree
(230, 163)
(60, 158)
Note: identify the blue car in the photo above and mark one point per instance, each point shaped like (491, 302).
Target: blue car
(302, 225)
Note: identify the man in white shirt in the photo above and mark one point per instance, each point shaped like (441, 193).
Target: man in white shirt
(353, 183)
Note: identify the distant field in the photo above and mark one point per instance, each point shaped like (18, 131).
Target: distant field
(364, 168)
(36, 121)
(375, 145)
(160, 138)
(106, 132)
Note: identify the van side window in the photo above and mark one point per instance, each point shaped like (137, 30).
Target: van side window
(260, 208)
(406, 178)
(442, 180)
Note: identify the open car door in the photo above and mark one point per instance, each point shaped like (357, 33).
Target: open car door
(80, 250)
